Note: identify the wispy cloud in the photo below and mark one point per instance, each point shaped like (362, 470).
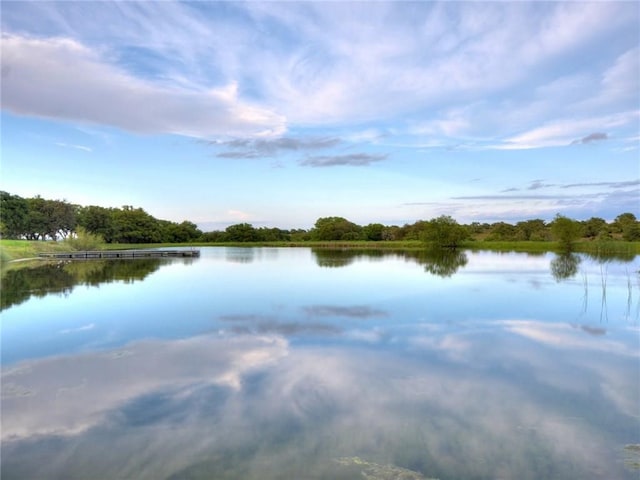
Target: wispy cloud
(287, 329)
(563, 132)
(592, 137)
(194, 71)
(38, 80)
(623, 184)
(256, 148)
(341, 311)
(353, 159)
(538, 184)
(83, 328)
(77, 147)
(245, 318)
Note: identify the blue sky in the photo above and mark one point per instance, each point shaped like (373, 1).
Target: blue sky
(278, 113)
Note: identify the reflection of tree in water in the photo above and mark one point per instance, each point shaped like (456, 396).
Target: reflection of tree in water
(334, 257)
(605, 256)
(440, 262)
(19, 285)
(240, 255)
(564, 266)
(443, 262)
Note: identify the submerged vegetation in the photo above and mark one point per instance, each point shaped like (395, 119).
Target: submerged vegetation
(632, 459)
(360, 468)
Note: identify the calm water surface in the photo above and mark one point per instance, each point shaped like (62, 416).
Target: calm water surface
(300, 364)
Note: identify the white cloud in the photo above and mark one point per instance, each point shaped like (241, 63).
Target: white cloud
(77, 147)
(564, 336)
(470, 70)
(62, 79)
(83, 328)
(88, 387)
(564, 132)
(238, 215)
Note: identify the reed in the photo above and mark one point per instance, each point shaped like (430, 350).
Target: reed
(603, 305)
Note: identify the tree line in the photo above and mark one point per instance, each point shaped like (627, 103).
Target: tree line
(43, 219)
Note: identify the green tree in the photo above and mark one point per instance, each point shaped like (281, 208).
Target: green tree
(180, 232)
(299, 235)
(628, 225)
(14, 215)
(373, 231)
(215, 236)
(594, 227)
(477, 228)
(335, 228)
(241, 232)
(414, 231)
(531, 230)
(273, 235)
(97, 220)
(565, 231)
(502, 231)
(391, 233)
(36, 227)
(445, 232)
(134, 225)
(61, 218)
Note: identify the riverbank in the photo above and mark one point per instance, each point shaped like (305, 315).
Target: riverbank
(14, 250)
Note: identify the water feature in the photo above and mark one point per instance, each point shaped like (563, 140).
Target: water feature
(294, 363)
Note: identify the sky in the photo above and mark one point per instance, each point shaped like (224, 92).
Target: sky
(279, 113)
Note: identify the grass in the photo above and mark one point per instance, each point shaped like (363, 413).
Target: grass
(25, 249)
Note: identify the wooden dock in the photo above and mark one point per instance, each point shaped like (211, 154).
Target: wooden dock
(123, 254)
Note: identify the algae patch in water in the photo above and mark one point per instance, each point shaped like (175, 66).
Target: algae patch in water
(376, 471)
(632, 458)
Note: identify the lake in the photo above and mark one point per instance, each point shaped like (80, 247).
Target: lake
(276, 363)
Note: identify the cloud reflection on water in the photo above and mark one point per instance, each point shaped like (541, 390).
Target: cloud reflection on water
(358, 311)
(475, 402)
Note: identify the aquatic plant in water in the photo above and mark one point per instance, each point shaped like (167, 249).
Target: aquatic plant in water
(377, 471)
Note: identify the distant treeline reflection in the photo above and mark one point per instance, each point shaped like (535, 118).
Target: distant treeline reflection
(19, 285)
(440, 262)
(447, 262)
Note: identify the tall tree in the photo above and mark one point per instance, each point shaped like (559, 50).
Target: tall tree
(373, 231)
(242, 232)
(97, 220)
(628, 225)
(14, 215)
(445, 232)
(594, 227)
(565, 231)
(134, 225)
(531, 230)
(335, 228)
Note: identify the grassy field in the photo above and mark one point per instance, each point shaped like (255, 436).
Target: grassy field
(11, 250)
(24, 249)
